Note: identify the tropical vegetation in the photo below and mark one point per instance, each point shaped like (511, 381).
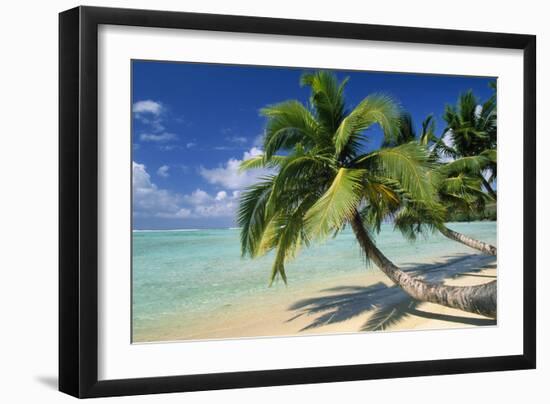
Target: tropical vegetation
(458, 174)
(323, 180)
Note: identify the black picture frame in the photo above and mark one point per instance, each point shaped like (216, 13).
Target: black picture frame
(78, 201)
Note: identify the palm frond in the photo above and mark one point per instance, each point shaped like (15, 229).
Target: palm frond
(251, 216)
(374, 109)
(409, 164)
(469, 165)
(428, 131)
(258, 162)
(337, 204)
(466, 190)
(327, 97)
(288, 236)
(472, 124)
(298, 169)
(405, 131)
(416, 218)
(382, 198)
(288, 124)
(490, 154)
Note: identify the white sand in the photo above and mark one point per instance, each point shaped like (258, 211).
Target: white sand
(355, 303)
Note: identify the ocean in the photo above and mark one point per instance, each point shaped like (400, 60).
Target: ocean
(181, 277)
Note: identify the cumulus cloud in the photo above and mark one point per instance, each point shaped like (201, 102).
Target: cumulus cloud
(150, 113)
(228, 174)
(163, 171)
(147, 107)
(148, 199)
(151, 201)
(198, 197)
(205, 205)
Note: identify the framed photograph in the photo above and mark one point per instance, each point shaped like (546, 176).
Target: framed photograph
(251, 201)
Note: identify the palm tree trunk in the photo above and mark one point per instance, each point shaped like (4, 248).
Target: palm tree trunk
(468, 241)
(479, 299)
(488, 187)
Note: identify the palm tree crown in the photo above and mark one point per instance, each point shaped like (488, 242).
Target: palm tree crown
(472, 127)
(324, 176)
(458, 182)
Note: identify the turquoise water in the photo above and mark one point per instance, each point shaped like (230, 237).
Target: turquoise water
(191, 273)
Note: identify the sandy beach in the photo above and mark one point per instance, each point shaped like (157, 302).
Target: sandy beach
(351, 303)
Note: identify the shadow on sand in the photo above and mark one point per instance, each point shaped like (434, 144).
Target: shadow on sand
(389, 305)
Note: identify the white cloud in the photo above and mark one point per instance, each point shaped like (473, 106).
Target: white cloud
(205, 205)
(163, 171)
(161, 137)
(148, 199)
(150, 113)
(152, 201)
(229, 176)
(198, 197)
(226, 209)
(190, 145)
(147, 107)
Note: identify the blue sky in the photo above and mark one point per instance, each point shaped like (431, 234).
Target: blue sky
(194, 123)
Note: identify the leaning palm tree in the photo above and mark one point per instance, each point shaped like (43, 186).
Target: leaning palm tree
(457, 182)
(472, 127)
(324, 181)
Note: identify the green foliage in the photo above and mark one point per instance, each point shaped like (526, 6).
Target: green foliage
(488, 213)
(458, 167)
(261, 162)
(251, 216)
(471, 165)
(322, 180)
(409, 164)
(428, 131)
(327, 98)
(337, 204)
(405, 134)
(374, 109)
(289, 123)
(472, 125)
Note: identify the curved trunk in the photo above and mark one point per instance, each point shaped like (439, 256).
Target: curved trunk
(480, 299)
(468, 241)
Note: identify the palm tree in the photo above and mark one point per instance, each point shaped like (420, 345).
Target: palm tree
(458, 184)
(472, 127)
(324, 181)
